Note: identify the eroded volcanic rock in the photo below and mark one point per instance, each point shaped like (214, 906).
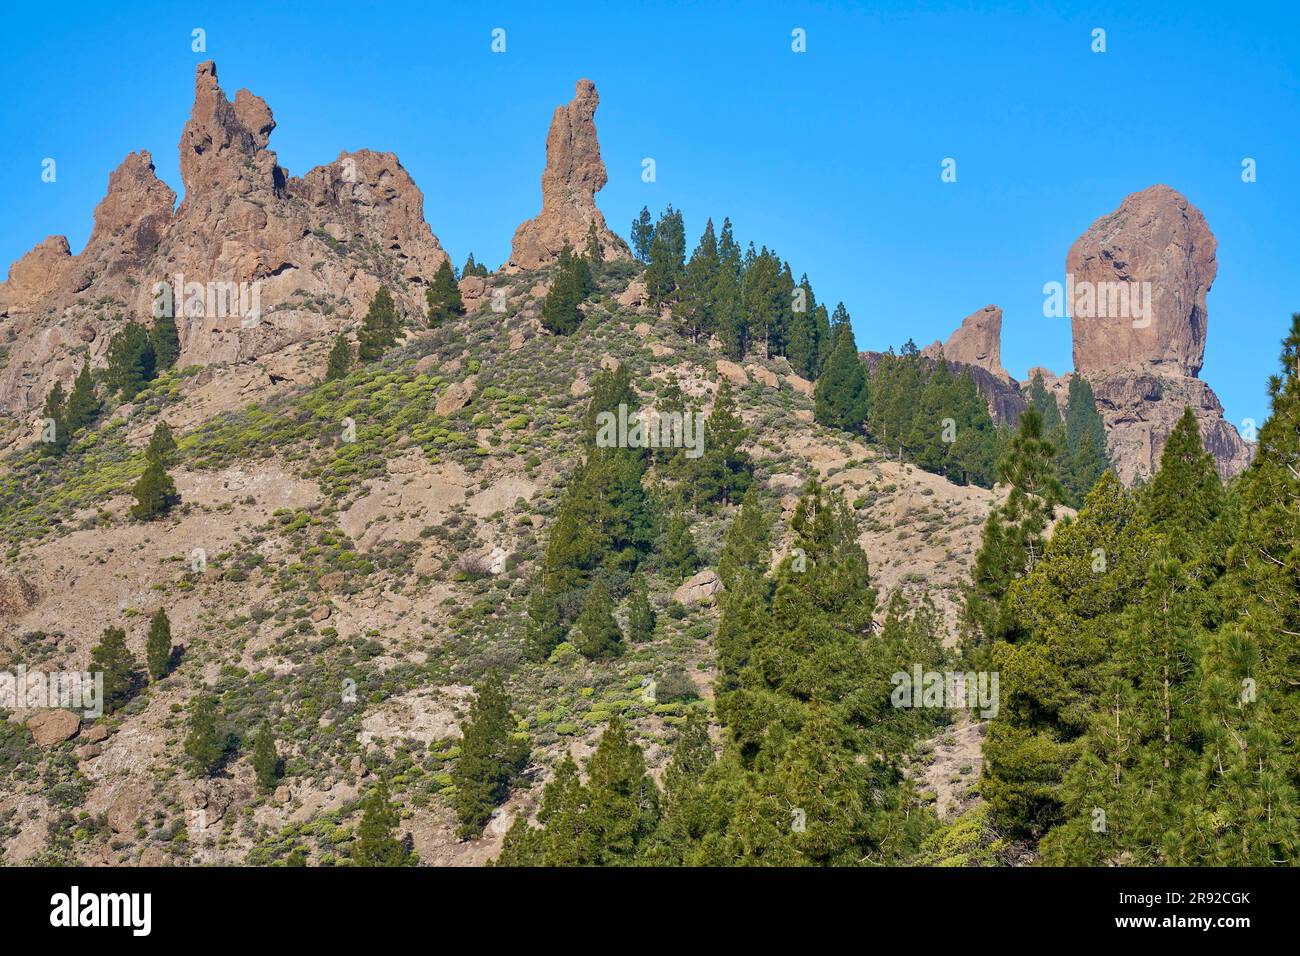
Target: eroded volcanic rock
(1140, 409)
(316, 248)
(1142, 363)
(573, 175)
(977, 341)
(1158, 246)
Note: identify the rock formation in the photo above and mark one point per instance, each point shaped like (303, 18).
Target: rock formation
(1136, 287)
(977, 341)
(573, 175)
(313, 249)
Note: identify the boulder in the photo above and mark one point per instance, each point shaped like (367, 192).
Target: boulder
(50, 727)
(733, 373)
(800, 384)
(701, 586)
(96, 734)
(634, 296)
(455, 397)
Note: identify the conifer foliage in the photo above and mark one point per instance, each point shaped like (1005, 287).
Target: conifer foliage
(491, 755)
(154, 491)
(840, 398)
(810, 771)
(442, 296)
(1148, 660)
(114, 660)
(381, 327)
(573, 282)
(376, 842)
(158, 645)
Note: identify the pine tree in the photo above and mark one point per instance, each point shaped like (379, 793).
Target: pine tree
(131, 361)
(442, 296)
(340, 358)
(165, 341)
(266, 762)
(376, 842)
(205, 740)
(729, 317)
(686, 812)
(561, 310)
(158, 646)
(678, 554)
(111, 658)
(765, 297)
(1045, 404)
(747, 544)
(696, 311)
(596, 633)
(490, 756)
(1013, 538)
(974, 455)
(667, 253)
(1251, 707)
(640, 612)
(591, 253)
(154, 491)
(606, 822)
(643, 232)
(808, 325)
(927, 440)
(162, 444)
(1185, 495)
(1081, 452)
(723, 471)
(56, 435)
(623, 801)
(83, 404)
(473, 268)
(380, 329)
(840, 397)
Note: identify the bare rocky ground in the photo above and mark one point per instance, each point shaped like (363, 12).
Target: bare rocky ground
(952, 762)
(407, 577)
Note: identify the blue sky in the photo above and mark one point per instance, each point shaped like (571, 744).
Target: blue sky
(832, 157)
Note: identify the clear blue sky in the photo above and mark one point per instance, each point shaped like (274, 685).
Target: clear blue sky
(832, 157)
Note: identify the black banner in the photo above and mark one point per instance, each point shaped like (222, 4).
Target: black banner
(144, 906)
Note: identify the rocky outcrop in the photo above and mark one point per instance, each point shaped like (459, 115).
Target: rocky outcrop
(1136, 283)
(131, 219)
(277, 261)
(36, 275)
(1136, 287)
(699, 587)
(17, 596)
(800, 384)
(733, 373)
(976, 342)
(573, 175)
(1140, 409)
(456, 397)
